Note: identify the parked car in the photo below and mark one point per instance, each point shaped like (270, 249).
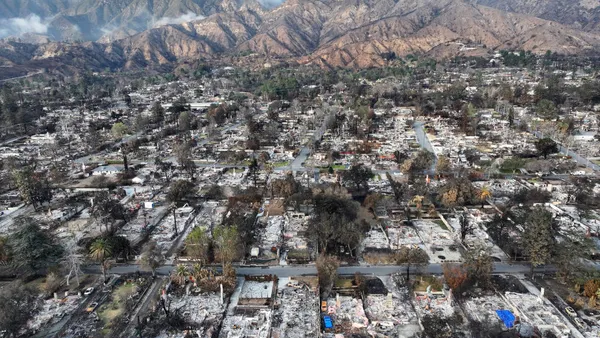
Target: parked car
(570, 311)
(88, 291)
(91, 307)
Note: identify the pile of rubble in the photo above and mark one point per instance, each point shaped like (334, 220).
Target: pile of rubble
(53, 310)
(205, 311)
(297, 315)
(403, 236)
(348, 314)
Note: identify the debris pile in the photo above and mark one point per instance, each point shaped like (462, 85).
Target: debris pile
(297, 315)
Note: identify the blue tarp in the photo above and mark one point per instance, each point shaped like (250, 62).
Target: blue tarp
(327, 322)
(507, 317)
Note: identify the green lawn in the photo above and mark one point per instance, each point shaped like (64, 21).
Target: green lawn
(281, 164)
(335, 167)
(124, 291)
(424, 281)
(108, 312)
(343, 283)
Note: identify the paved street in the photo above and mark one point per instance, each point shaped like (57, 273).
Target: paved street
(424, 141)
(295, 270)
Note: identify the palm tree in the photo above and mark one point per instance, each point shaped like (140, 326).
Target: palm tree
(199, 272)
(100, 251)
(483, 194)
(180, 275)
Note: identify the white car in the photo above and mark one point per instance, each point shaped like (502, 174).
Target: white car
(579, 323)
(88, 291)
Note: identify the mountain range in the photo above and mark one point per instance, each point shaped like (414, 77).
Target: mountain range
(125, 34)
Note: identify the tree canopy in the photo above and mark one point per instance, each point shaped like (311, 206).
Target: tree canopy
(359, 176)
(538, 238)
(19, 303)
(32, 248)
(33, 187)
(179, 191)
(335, 223)
(546, 146)
(197, 244)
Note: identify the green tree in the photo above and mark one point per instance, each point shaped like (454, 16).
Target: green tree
(151, 257)
(101, 251)
(121, 247)
(33, 249)
(359, 176)
(253, 170)
(469, 119)
(538, 239)
(546, 109)
(197, 244)
(179, 106)
(499, 229)
(566, 257)
(33, 188)
(421, 162)
(546, 146)
(93, 138)
(118, 130)
(335, 223)
(184, 121)
(19, 303)
(227, 240)
(180, 274)
(158, 113)
(457, 192)
(532, 196)
(179, 191)
(327, 272)
(107, 210)
(479, 266)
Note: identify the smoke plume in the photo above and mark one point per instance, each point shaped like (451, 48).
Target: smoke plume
(18, 26)
(189, 16)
